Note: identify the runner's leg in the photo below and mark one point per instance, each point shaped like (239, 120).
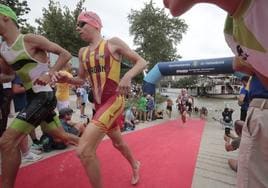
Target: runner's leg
(86, 151)
(122, 146)
(11, 156)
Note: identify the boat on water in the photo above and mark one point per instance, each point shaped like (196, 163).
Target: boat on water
(223, 91)
(219, 86)
(222, 86)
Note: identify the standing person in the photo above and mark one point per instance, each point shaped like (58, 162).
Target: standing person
(227, 119)
(141, 106)
(27, 56)
(169, 107)
(91, 101)
(246, 34)
(243, 99)
(63, 89)
(100, 62)
(84, 101)
(150, 107)
(190, 105)
(78, 97)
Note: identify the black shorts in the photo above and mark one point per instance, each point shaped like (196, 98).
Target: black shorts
(182, 108)
(40, 107)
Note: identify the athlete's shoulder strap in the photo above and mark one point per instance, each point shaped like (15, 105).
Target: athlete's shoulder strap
(19, 41)
(85, 53)
(85, 57)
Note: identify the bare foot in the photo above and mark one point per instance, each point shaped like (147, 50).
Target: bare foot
(136, 176)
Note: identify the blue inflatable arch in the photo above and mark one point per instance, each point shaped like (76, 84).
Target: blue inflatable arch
(191, 67)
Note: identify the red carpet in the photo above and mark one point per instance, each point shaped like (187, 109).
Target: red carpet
(167, 153)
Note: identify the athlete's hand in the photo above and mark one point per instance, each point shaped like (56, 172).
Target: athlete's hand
(43, 80)
(60, 77)
(124, 85)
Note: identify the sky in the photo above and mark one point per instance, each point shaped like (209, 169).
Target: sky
(203, 40)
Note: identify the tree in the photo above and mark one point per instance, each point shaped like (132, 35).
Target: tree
(186, 82)
(155, 34)
(58, 25)
(21, 9)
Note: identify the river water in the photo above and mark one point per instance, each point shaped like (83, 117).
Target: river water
(214, 106)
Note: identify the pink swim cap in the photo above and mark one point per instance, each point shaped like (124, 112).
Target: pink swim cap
(90, 18)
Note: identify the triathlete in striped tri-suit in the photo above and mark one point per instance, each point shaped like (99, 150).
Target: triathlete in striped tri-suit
(100, 62)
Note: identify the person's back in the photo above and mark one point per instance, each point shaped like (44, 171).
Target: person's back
(227, 115)
(243, 98)
(227, 120)
(254, 133)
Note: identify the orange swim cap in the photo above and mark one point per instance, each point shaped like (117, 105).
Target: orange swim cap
(90, 18)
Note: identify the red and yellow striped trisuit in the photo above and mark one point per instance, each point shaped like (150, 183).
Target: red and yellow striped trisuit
(104, 73)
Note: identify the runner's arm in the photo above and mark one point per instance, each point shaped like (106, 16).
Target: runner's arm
(122, 49)
(119, 48)
(41, 43)
(80, 80)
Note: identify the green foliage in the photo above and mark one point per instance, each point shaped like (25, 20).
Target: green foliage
(185, 82)
(58, 25)
(125, 66)
(28, 29)
(155, 34)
